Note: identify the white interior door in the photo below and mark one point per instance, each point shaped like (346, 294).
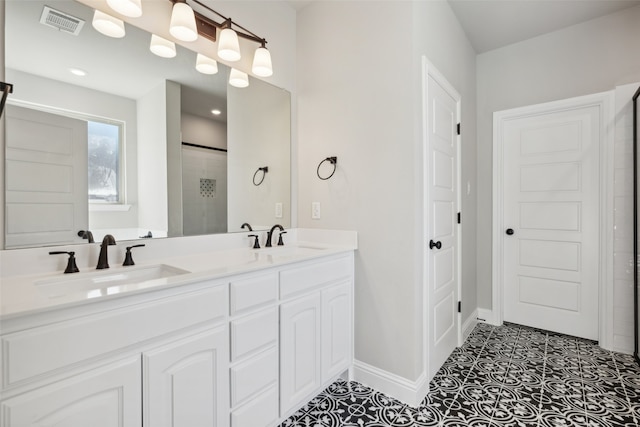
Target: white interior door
(551, 218)
(46, 178)
(442, 227)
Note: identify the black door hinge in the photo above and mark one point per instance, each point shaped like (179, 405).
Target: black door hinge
(458, 128)
(459, 306)
(458, 217)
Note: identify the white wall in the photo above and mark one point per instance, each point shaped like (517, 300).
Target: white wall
(69, 98)
(152, 168)
(201, 131)
(623, 297)
(359, 98)
(258, 130)
(591, 57)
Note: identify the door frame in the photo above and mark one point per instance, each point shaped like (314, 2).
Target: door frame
(428, 69)
(605, 102)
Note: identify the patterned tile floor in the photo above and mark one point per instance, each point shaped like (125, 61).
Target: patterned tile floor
(502, 376)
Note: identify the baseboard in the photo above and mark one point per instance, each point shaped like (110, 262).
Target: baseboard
(410, 392)
(487, 316)
(469, 325)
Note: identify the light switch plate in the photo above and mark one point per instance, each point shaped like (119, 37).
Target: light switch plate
(278, 210)
(315, 210)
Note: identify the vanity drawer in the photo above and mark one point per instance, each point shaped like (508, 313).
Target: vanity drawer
(251, 376)
(253, 292)
(296, 280)
(253, 332)
(43, 349)
(260, 412)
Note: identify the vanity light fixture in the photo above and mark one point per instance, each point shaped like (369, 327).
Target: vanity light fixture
(182, 28)
(206, 65)
(162, 47)
(130, 8)
(216, 112)
(238, 78)
(108, 25)
(183, 22)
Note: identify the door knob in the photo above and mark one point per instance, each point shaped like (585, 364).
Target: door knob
(509, 231)
(433, 244)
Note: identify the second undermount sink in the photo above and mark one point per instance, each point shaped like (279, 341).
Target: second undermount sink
(98, 283)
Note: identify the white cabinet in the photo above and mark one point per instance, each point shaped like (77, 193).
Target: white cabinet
(254, 349)
(185, 382)
(166, 355)
(243, 351)
(337, 340)
(316, 329)
(108, 396)
(299, 350)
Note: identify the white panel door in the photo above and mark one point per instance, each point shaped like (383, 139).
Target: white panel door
(186, 382)
(46, 178)
(442, 230)
(105, 397)
(299, 350)
(551, 219)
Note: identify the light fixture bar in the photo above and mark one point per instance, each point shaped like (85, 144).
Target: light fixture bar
(207, 26)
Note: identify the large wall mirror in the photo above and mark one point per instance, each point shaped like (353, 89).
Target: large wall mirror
(103, 135)
(636, 210)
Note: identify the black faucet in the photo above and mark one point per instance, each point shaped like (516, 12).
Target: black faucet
(246, 224)
(270, 234)
(87, 235)
(103, 261)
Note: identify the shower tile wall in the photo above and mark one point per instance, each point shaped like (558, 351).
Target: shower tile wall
(623, 221)
(204, 210)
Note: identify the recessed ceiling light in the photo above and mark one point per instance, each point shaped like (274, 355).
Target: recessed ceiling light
(216, 112)
(78, 72)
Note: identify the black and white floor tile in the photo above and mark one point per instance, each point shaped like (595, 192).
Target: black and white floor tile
(502, 376)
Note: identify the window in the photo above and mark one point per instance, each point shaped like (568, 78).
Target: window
(104, 152)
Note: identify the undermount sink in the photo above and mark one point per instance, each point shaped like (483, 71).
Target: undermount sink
(100, 283)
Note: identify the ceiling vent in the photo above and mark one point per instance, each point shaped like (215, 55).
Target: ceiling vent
(61, 21)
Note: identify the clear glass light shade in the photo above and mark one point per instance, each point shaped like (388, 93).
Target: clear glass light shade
(162, 47)
(183, 23)
(206, 65)
(108, 25)
(131, 8)
(238, 79)
(228, 45)
(262, 63)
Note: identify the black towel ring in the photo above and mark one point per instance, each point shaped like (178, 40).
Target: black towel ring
(5, 90)
(334, 161)
(264, 173)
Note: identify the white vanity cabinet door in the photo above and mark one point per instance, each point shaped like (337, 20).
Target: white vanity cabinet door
(336, 330)
(299, 350)
(186, 382)
(108, 396)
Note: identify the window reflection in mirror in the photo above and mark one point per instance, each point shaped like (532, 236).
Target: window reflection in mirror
(103, 152)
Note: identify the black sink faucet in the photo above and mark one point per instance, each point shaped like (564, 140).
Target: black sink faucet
(246, 224)
(270, 235)
(103, 261)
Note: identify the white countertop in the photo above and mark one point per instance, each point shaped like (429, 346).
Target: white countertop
(33, 293)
